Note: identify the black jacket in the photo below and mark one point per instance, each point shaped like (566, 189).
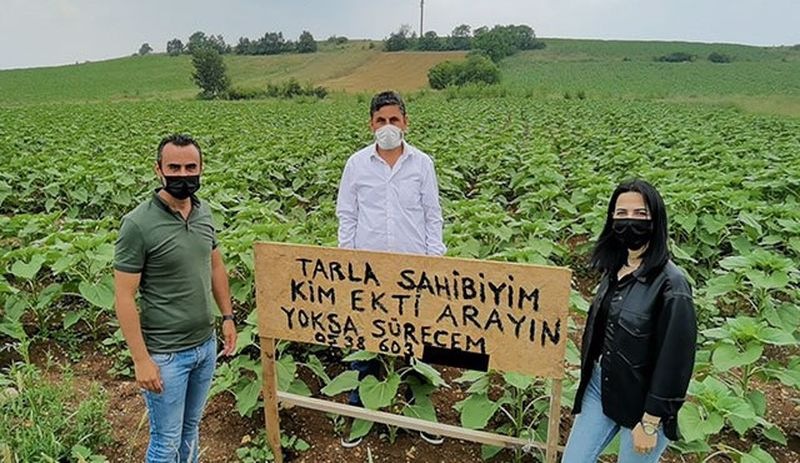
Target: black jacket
(649, 348)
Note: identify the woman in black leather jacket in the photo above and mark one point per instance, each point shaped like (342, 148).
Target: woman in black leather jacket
(639, 342)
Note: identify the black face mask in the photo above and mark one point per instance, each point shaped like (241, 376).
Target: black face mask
(633, 233)
(181, 187)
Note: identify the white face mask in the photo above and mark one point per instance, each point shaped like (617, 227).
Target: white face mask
(389, 137)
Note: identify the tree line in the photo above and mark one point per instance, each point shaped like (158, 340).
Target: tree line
(271, 43)
(497, 42)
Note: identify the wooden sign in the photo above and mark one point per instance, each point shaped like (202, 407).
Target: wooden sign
(513, 315)
(469, 313)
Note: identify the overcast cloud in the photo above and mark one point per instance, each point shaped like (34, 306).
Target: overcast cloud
(53, 32)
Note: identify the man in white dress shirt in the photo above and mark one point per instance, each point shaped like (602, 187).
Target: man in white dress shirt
(388, 197)
(389, 200)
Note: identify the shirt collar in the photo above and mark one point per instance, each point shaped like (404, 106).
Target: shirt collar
(406, 151)
(163, 204)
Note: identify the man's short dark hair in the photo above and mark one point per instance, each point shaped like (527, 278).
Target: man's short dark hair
(177, 139)
(387, 98)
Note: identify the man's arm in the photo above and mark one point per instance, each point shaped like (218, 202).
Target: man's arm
(347, 208)
(434, 244)
(125, 287)
(222, 295)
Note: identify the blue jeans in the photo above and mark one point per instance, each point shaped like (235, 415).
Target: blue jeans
(175, 413)
(593, 431)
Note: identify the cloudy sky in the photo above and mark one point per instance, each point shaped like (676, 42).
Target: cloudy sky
(52, 32)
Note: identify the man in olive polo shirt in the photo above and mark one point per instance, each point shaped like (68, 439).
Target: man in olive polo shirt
(167, 252)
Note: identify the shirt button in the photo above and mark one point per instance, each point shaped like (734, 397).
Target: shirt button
(606, 378)
(608, 352)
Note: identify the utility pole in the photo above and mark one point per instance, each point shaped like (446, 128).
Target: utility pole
(421, 17)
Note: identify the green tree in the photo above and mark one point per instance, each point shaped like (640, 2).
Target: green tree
(477, 68)
(403, 39)
(501, 41)
(196, 41)
(145, 49)
(716, 57)
(272, 43)
(429, 42)
(245, 47)
(442, 75)
(209, 73)
(174, 47)
(217, 42)
(461, 38)
(306, 43)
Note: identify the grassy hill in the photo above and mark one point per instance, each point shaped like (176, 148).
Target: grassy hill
(351, 67)
(759, 78)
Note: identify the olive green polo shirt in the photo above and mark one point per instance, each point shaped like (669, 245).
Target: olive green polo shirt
(173, 256)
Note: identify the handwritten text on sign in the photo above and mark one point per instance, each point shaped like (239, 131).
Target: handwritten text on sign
(398, 304)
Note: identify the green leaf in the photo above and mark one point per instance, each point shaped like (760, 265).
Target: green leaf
(759, 402)
(316, 367)
(696, 425)
(247, 398)
(360, 356)
(378, 394)
(775, 280)
(422, 408)
(480, 386)
(577, 302)
(788, 376)
(346, 381)
(734, 263)
(63, 264)
(757, 455)
(470, 376)
(777, 337)
(686, 221)
(27, 270)
(71, 318)
(751, 221)
(13, 329)
(727, 356)
(680, 254)
(477, 410)
(301, 446)
(775, 434)
(573, 354)
(100, 294)
(716, 333)
(428, 372)
(721, 285)
(300, 388)
(287, 370)
(742, 425)
(488, 452)
(518, 380)
(360, 428)
(785, 316)
(245, 337)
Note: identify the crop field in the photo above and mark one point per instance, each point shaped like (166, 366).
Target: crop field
(522, 180)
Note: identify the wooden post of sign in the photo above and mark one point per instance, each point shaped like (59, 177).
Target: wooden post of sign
(554, 425)
(270, 394)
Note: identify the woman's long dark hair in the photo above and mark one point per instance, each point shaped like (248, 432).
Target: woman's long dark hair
(609, 255)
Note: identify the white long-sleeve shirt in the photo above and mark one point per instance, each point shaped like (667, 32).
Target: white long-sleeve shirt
(390, 209)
